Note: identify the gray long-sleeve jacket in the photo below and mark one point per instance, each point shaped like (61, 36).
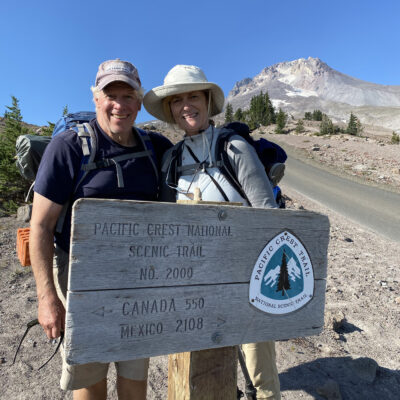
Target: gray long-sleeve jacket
(248, 168)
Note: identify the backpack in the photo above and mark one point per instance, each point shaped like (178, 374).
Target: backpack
(269, 153)
(30, 149)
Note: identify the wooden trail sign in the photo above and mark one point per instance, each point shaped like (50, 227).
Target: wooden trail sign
(148, 278)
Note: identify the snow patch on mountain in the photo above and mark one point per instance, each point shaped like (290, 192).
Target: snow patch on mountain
(301, 92)
(308, 84)
(279, 103)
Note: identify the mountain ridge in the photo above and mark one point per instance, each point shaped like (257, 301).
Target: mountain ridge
(306, 84)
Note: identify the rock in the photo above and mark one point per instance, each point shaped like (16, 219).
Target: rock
(360, 167)
(334, 320)
(315, 148)
(24, 213)
(396, 171)
(3, 360)
(348, 240)
(397, 300)
(365, 368)
(330, 390)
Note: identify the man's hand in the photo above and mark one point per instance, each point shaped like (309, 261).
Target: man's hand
(51, 315)
(51, 312)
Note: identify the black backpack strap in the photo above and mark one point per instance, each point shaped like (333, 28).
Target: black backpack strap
(170, 167)
(224, 162)
(203, 167)
(107, 162)
(148, 144)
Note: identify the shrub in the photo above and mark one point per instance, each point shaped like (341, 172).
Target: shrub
(300, 126)
(395, 138)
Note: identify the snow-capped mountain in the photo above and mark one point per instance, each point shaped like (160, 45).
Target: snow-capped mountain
(308, 84)
(272, 276)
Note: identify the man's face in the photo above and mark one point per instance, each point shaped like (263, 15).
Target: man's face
(116, 108)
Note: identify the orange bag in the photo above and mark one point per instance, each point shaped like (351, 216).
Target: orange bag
(23, 246)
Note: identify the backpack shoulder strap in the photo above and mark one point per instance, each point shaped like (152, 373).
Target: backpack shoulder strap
(171, 163)
(224, 161)
(89, 148)
(148, 145)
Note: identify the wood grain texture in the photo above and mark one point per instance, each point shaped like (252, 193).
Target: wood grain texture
(148, 279)
(121, 260)
(134, 323)
(203, 375)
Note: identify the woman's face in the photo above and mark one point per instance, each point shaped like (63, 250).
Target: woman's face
(189, 111)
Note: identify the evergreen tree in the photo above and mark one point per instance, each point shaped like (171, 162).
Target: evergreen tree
(283, 280)
(228, 113)
(12, 184)
(308, 116)
(239, 115)
(352, 125)
(256, 111)
(300, 126)
(65, 111)
(47, 130)
(326, 127)
(246, 117)
(270, 117)
(261, 111)
(317, 115)
(281, 119)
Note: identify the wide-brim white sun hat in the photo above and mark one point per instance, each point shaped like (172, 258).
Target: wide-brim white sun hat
(182, 79)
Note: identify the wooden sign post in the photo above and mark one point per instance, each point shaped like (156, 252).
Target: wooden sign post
(148, 279)
(204, 374)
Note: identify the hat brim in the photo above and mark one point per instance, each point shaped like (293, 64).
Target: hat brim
(153, 100)
(118, 78)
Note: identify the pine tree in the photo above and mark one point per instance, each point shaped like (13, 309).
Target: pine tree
(256, 111)
(281, 119)
(326, 127)
(308, 116)
(300, 126)
(270, 117)
(228, 113)
(12, 185)
(317, 115)
(239, 116)
(47, 130)
(65, 111)
(283, 280)
(352, 125)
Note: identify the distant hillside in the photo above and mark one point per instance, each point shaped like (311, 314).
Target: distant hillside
(31, 127)
(307, 84)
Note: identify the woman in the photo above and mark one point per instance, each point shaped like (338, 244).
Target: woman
(188, 100)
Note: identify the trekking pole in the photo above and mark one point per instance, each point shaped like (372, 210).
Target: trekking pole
(30, 325)
(251, 391)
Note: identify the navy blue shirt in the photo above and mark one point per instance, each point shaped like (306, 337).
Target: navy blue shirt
(61, 163)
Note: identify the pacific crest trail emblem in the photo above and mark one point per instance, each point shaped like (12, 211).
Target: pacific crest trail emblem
(283, 279)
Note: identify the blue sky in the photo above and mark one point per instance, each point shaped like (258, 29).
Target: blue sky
(50, 50)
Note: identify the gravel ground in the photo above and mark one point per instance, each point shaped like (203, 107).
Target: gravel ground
(356, 357)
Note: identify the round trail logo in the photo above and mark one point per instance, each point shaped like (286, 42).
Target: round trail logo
(282, 280)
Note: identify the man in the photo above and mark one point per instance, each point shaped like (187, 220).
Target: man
(117, 95)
